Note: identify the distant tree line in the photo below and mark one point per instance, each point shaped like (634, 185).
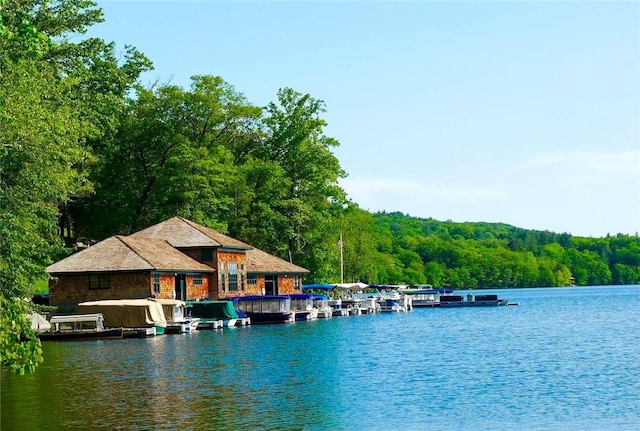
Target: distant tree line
(87, 152)
(410, 250)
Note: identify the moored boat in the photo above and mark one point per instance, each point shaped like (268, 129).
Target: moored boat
(216, 314)
(472, 300)
(395, 303)
(79, 327)
(139, 317)
(336, 307)
(176, 316)
(321, 303)
(265, 308)
(425, 295)
(302, 305)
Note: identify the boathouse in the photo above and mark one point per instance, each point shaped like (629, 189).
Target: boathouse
(176, 258)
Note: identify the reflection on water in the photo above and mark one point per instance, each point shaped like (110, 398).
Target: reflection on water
(564, 359)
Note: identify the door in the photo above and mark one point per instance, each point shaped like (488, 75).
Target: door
(181, 287)
(270, 285)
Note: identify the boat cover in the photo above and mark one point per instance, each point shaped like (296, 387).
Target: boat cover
(173, 309)
(217, 310)
(126, 313)
(352, 286)
(318, 286)
(300, 296)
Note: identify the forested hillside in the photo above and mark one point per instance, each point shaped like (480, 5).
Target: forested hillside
(470, 255)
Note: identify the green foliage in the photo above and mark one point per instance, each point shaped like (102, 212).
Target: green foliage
(39, 146)
(20, 349)
(482, 255)
(57, 96)
(172, 155)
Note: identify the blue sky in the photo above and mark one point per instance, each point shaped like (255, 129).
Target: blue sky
(525, 113)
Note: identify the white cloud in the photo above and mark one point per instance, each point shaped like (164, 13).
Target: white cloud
(619, 163)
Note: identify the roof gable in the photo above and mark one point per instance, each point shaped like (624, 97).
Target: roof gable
(119, 253)
(261, 261)
(162, 256)
(183, 233)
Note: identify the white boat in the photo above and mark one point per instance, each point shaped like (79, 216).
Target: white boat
(175, 315)
(321, 303)
(352, 305)
(425, 295)
(369, 305)
(336, 308)
(79, 327)
(302, 305)
(216, 314)
(394, 303)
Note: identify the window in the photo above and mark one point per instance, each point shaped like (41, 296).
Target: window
(99, 281)
(252, 279)
(296, 282)
(243, 278)
(197, 280)
(207, 256)
(222, 279)
(156, 284)
(233, 276)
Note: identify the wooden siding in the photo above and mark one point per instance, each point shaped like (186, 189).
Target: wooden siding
(208, 280)
(72, 289)
(224, 257)
(285, 287)
(167, 286)
(197, 292)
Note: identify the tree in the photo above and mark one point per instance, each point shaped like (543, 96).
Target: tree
(39, 145)
(55, 96)
(296, 142)
(172, 155)
(20, 350)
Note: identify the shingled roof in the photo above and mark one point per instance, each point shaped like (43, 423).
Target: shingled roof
(121, 253)
(262, 262)
(183, 233)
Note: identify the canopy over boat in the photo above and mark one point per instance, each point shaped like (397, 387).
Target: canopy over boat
(300, 296)
(126, 313)
(173, 308)
(215, 310)
(262, 303)
(352, 286)
(418, 289)
(318, 286)
(387, 286)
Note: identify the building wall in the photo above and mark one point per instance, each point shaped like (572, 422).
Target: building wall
(195, 292)
(72, 289)
(255, 289)
(214, 290)
(286, 284)
(167, 286)
(221, 289)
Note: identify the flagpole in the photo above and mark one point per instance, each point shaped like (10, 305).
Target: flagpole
(341, 259)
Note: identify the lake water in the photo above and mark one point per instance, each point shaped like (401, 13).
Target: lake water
(565, 359)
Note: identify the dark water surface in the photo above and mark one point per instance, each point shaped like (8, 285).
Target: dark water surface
(565, 359)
